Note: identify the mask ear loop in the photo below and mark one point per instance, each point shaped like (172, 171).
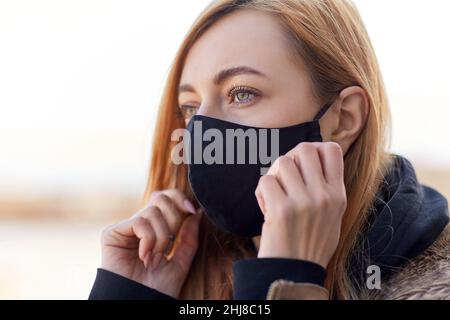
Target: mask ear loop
(323, 111)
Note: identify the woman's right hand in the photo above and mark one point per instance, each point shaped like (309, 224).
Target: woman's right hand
(136, 248)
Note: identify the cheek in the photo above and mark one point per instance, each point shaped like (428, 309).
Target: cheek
(284, 112)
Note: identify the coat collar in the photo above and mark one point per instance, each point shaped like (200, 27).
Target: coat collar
(407, 218)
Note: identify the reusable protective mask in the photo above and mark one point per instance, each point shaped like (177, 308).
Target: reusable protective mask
(226, 161)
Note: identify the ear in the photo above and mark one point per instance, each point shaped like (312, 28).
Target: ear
(351, 110)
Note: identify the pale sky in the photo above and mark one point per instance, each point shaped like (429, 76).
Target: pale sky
(80, 82)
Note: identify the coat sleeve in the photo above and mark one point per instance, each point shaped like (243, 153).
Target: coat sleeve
(276, 278)
(111, 286)
(254, 279)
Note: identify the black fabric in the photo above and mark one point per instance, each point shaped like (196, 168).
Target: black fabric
(406, 219)
(226, 188)
(111, 286)
(253, 277)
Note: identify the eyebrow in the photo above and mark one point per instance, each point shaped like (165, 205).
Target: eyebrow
(224, 75)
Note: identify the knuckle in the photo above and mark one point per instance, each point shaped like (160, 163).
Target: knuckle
(164, 197)
(284, 161)
(161, 198)
(334, 147)
(265, 180)
(306, 147)
(154, 213)
(150, 236)
(146, 213)
(154, 194)
(176, 191)
(140, 220)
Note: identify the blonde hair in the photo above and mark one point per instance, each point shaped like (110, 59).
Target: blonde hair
(330, 38)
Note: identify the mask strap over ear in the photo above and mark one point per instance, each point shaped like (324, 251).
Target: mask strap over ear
(322, 111)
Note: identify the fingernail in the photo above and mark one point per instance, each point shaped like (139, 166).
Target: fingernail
(146, 260)
(189, 206)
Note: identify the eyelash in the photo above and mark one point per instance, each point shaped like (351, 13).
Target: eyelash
(241, 89)
(185, 109)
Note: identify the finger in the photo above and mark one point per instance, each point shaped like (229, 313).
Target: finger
(139, 228)
(268, 193)
(310, 167)
(179, 198)
(172, 215)
(186, 243)
(289, 176)
(160, 227)
(332, 160)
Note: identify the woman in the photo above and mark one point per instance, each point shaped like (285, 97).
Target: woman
(333, 213)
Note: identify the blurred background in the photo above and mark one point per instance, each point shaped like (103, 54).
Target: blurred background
(79, 85)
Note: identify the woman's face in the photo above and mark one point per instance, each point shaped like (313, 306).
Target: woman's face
(242, 70)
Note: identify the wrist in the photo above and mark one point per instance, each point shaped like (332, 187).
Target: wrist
(262, 254)
(170, 287)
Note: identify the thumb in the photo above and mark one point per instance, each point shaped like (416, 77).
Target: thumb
(187, 240)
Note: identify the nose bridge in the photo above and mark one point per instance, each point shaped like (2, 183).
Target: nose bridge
(205, 109)
(210, 108)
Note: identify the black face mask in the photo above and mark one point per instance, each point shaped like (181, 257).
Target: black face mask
(227, 191)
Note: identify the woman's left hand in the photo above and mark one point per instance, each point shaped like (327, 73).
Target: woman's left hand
(303, 200)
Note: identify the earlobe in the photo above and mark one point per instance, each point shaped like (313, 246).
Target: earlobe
(352, 116)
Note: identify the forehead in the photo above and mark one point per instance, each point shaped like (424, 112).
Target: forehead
(245, 37)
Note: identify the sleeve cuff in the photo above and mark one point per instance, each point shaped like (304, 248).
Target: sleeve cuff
(111, 286)
(253, 277)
